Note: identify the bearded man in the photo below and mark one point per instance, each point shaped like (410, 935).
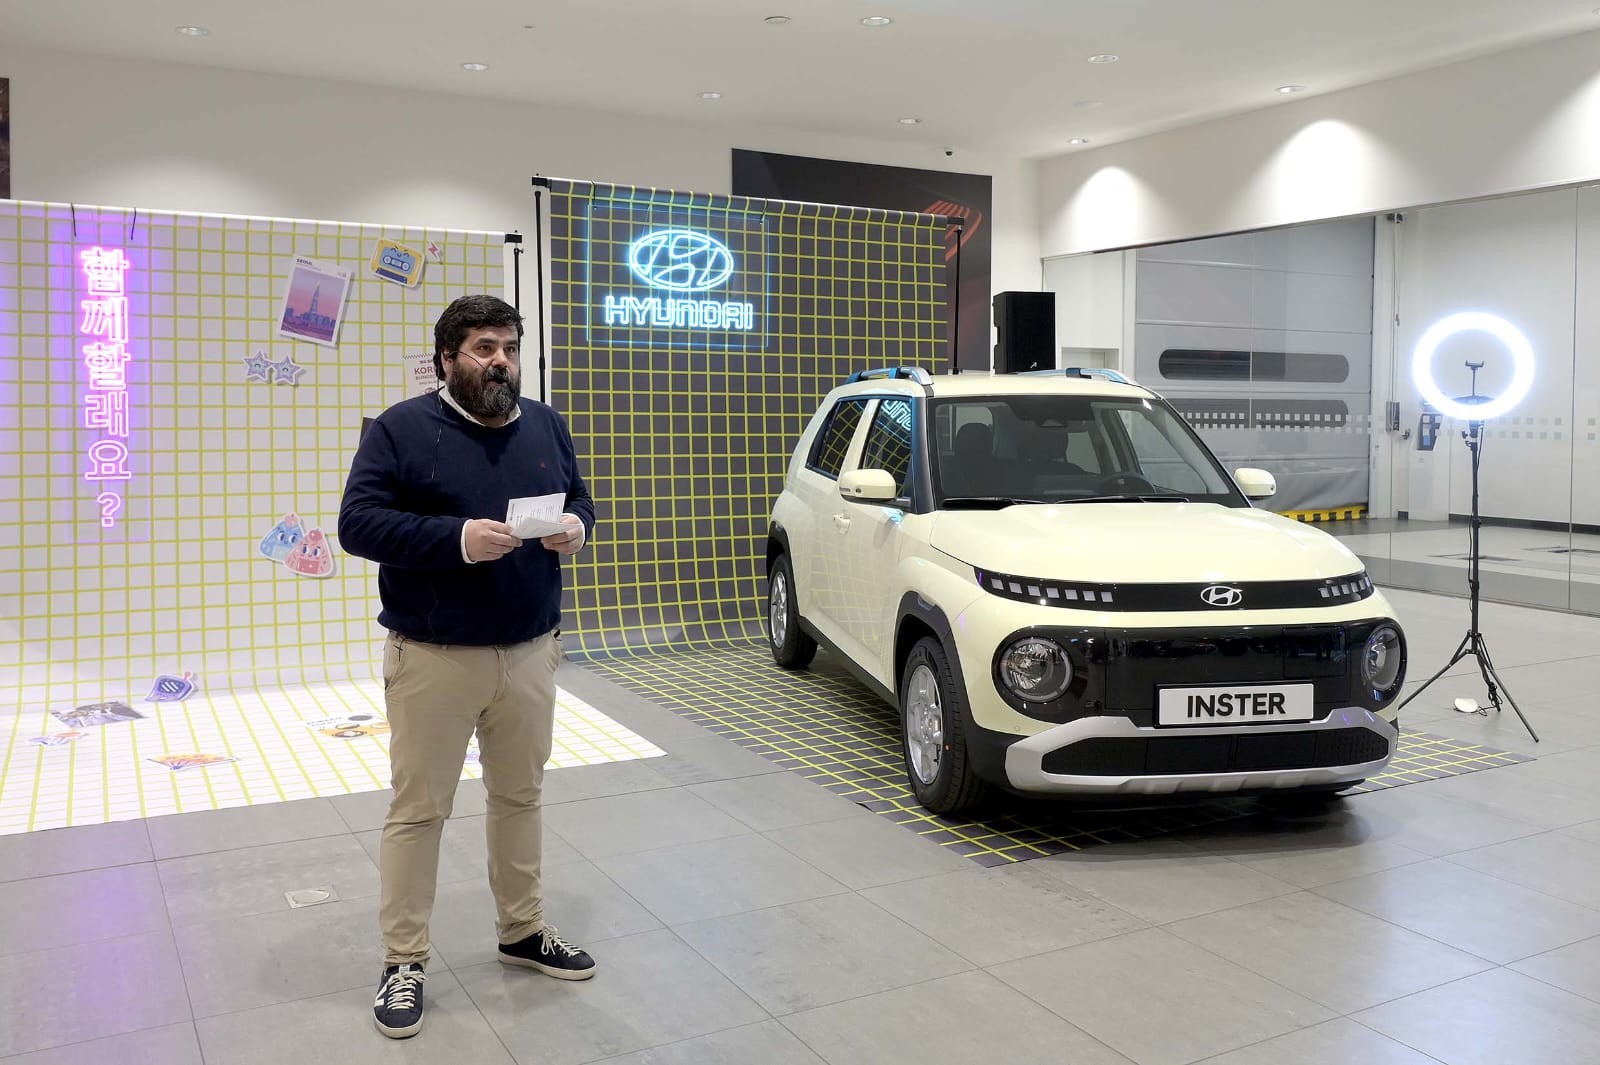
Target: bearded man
(473, 615)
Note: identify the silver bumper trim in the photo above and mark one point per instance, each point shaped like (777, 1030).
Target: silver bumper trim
(1025, 758)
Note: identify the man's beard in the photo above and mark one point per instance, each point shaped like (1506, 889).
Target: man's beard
(491, 393)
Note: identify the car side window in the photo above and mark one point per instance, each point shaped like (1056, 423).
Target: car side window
(888, 445)
(833, 443)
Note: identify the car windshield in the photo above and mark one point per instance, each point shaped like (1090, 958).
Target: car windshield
(991, 451)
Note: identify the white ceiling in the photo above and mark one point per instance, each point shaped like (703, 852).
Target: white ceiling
(1000, 76)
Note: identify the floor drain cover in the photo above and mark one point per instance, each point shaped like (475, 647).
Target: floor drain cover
(303, 897)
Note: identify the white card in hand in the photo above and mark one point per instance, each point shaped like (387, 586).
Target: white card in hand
(532, 517)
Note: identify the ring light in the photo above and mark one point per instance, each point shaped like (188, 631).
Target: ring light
(1473, 321)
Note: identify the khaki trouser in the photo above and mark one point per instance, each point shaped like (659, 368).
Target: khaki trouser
(436, 697)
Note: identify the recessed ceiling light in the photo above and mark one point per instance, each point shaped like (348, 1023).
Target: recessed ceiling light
(710, 95)
(777, 20)
(474, 66)
(1079, 140)
(1086, 103)
(1291, 89)
(910, 121)
(1104, 57)
(194, 31)
(876, 20)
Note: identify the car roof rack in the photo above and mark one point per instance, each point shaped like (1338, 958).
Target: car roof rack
(1084, 371)
(892, 373)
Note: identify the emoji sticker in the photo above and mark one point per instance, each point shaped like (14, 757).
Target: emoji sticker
(311, 557)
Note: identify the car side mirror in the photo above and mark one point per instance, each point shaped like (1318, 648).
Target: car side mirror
(1254, 483)
(868, 486)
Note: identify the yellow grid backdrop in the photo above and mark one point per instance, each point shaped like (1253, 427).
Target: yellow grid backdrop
(684, 437)
(90, 614)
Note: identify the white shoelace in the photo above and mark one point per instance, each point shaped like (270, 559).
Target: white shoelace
(400, 990)
(553, 944)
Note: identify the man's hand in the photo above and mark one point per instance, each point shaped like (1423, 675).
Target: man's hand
(567, 543)
(488, 540)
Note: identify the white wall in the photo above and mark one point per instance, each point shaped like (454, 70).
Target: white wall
(93, 130)
(1093, 306)
(1514, 257)
(1519, 120)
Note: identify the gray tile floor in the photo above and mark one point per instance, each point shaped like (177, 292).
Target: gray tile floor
(741, 914)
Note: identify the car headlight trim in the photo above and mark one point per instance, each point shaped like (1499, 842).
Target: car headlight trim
(1036, 669)
(1382, 663)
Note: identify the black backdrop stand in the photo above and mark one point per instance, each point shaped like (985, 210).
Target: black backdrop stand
(1472, 644)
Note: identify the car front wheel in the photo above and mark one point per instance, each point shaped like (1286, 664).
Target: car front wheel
(792, 648)
(932, 709)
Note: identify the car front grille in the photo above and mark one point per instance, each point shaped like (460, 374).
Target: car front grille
(1175, 754)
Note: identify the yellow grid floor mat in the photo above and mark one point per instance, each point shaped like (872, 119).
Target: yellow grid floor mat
(233, 748)
(826, 726)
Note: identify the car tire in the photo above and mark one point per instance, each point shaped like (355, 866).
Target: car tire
(932, 711)
(792, 647)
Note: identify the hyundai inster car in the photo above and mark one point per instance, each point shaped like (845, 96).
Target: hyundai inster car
(1063, 592)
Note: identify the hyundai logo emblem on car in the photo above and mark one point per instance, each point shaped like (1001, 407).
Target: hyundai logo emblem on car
(680, 260)
(1222, 595)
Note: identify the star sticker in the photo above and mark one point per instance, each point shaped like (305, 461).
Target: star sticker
(288, 373)
(257, 367)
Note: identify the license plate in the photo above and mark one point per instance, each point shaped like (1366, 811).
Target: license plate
(1235, 704)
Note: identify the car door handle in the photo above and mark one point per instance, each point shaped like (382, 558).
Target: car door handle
(841, 522)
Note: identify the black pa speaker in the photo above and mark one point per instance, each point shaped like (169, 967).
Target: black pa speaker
(1025, 328)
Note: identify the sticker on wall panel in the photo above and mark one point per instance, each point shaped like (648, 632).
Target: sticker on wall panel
(257, 367)
(314, 302)
(421, 377)
(311, 557)
(435, 252)
(176, 762)
(170, 689)
(395, 262)
(95, 714)
(284, 538)
(287, 372)
(56, 739)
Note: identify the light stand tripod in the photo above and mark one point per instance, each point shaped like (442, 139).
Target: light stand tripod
(1472, 644)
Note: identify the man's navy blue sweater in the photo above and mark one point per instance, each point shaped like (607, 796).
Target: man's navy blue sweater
(421, 473)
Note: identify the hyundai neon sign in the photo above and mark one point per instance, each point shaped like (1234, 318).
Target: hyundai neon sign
(679, 263)
(683, 260)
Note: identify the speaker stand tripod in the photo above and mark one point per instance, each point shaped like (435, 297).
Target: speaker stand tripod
(1472, 644)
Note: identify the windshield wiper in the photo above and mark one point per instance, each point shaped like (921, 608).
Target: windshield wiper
(985, 502)
(1124, 499)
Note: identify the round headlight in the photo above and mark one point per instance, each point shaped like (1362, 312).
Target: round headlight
(1036, 669)
(1382, 660)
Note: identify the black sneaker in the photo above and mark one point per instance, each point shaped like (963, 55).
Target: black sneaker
(398, 1007)
(550, 954)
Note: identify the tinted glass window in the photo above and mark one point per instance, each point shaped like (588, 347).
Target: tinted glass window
(834, 440)
(888, 445)
(1054, 448)
(1196, 364)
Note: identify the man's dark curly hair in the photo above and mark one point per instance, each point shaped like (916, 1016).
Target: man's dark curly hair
(465, 315)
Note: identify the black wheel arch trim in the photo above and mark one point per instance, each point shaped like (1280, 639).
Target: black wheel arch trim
(986, 750)
(777, 534)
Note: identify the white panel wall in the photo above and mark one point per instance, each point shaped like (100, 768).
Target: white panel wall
(1515, 121)
(1513, 257)
(1093, 303)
